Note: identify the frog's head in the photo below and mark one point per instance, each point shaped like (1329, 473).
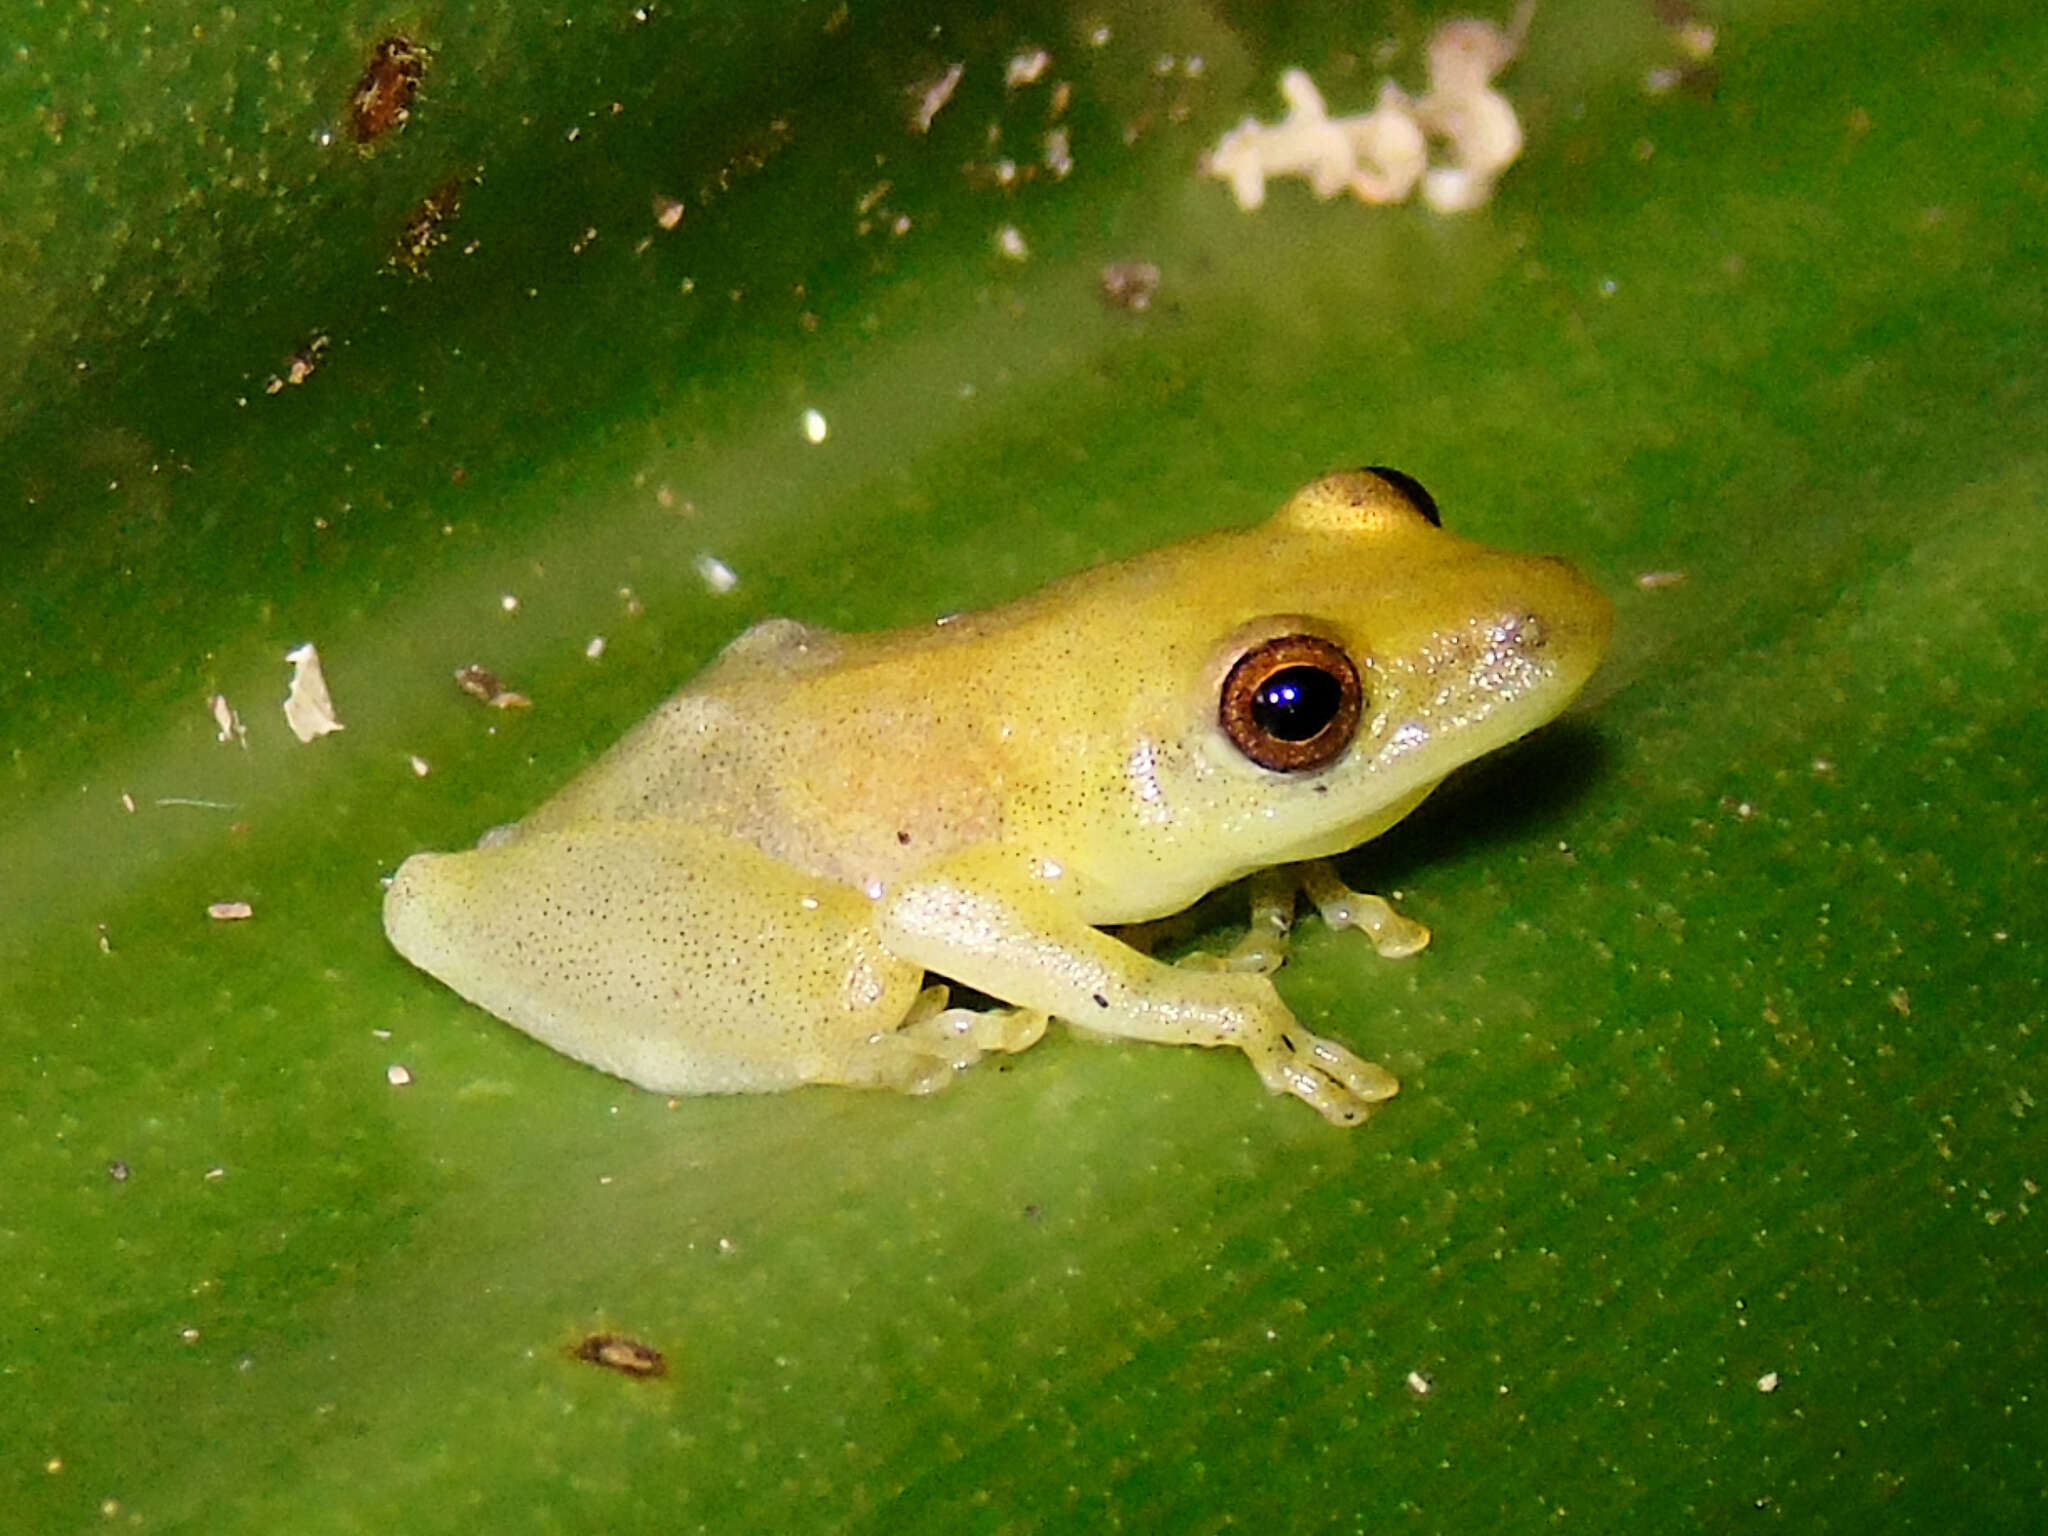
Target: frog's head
(1363, 653)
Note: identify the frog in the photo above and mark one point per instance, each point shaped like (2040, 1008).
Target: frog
(779, 875)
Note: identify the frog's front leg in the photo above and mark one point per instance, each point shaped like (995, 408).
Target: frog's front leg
(1264, 946)
(982, 919)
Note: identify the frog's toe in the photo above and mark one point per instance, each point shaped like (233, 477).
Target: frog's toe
(1337, 1085)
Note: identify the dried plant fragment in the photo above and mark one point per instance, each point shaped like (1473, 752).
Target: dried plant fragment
(616, 1352)
(308, 708)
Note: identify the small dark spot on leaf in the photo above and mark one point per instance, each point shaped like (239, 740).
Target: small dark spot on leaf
(1101, 1001)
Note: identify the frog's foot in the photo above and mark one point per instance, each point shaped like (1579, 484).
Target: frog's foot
(1263, 949)
(1329, 1079)
(934, 1042)
(1393, 935)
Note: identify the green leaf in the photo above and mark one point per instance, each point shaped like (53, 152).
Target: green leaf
(1712, 1195)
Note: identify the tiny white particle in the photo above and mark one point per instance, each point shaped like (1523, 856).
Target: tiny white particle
(396, 1075)
(1420, 1384)
(1010, 241)
(230, 911)
(872, 890)
(596, 647)
(419, 764)
(815, 427)
(715, 573)
(1050, 869)
(1025, 68)
(1768, 1382)
(509, 603)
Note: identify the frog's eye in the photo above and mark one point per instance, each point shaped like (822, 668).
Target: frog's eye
(1292, 703)
(1412, 490)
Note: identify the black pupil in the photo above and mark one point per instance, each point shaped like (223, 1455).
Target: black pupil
(1296, 703)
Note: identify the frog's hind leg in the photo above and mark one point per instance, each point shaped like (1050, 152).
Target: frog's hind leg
(680, 959)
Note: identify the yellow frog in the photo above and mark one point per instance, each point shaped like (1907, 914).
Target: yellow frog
(748, 891)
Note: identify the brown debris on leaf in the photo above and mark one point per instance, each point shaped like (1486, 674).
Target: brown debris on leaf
(383, 97)
(616, 1352)
(480, 682)
(425, 227)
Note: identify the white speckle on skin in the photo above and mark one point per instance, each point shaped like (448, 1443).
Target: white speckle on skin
(815, 426)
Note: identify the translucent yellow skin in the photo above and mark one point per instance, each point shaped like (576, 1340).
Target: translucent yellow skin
(747, 892)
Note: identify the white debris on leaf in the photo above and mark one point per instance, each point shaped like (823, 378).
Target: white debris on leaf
(715, 573)
(308, 709)
(1026, 67)
(1381, 156)
(816, 428)
(420, 766)
(230, 911)
(933, 96)
(229, 723)
(397, 1075)
(1010, 242)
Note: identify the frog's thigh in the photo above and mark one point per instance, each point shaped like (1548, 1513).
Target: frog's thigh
(677, 958)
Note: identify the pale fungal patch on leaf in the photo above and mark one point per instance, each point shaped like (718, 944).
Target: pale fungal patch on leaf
(308, 708)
